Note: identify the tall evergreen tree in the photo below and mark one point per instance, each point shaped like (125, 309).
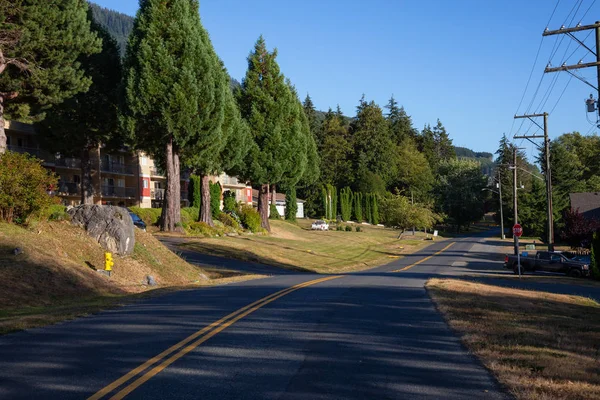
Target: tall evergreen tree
(40, 44)
(174, 95)
(436, 145)
(374, 152)
(400, 122)
(336, 151)
(80, 124)
(277, 129)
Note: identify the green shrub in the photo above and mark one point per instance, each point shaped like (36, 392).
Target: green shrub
(58, 212)
(189, 215)
(291, 204)
(150, 216)
(348, 228)
(228, 220)
(273, 213)
(24, 185)
(250, 218)
(215, 199)
(200, 229)
(229, 203)
(358, 229)
(339, 228)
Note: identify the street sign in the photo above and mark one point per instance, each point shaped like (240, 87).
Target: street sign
(517, 230)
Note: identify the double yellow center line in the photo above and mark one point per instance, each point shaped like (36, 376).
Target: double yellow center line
(425, 259)
(188, 344)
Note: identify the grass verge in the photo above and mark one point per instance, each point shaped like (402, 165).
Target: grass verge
(295, 246)
(539, 345)
(54, 277)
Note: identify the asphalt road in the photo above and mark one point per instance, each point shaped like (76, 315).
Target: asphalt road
(368, 335)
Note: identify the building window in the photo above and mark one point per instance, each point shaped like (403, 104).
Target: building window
(144, 160)
(145, 184)
(8, 140)
(20, 142)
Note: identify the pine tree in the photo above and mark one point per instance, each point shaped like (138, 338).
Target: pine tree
(374, 151)
(80, 124)
(174, 99)
(400, 123)
(277, 129)
(40, 44)
(336, 151)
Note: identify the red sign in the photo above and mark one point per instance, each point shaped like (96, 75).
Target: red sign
(517, 230)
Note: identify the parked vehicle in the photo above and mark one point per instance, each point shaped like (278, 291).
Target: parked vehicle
(137, 221)
(320, 225)
(548, 261)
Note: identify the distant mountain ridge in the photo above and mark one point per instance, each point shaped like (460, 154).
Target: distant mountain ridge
(119, 25)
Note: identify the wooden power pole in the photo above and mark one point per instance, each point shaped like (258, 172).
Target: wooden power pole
(548, 171)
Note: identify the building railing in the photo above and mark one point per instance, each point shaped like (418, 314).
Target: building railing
(184, 195)
(116, 168)
(116, 191)
(156, 172)
(68, 162)
(157, 194)
(68, 188)
(39, 153)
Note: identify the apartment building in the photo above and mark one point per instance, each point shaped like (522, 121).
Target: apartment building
(121, 177)
(242, 190)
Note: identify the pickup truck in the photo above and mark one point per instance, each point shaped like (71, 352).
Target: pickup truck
(550, 262)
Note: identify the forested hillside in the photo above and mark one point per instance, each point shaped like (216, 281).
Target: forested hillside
(117, 24)
(485, 159)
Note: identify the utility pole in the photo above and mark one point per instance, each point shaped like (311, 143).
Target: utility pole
(569, 32)
(514, 167)
(501, 213)
(548, 171)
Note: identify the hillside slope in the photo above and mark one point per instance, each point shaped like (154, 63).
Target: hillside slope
(59, 260)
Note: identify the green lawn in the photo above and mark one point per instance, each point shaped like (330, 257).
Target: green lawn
(295, 246)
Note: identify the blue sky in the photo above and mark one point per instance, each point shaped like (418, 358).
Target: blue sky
(466, 62)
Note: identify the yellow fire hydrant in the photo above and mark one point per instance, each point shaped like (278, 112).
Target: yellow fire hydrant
(108, 262)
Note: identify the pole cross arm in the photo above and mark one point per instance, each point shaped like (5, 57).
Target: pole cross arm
(569, 67)
(573, 29)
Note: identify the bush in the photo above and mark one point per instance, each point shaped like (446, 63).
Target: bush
(250, 218)
(150, 216)
(58, 212)
(348, 228)
(228, 220)
(291, 204)
(215, 199)
(273, 213)
(358, 229)
(229, 203)
(24, 185)
(189, 215)
(200, 229)
(595, 256)
(339, 228)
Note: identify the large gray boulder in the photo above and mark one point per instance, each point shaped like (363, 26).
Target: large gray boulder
(111, 226)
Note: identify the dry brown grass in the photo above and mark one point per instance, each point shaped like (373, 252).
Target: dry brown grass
(539, 345)
(55, 278)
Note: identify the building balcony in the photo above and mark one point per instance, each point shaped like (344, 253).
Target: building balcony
(116, 191)
(155, 172)
(157, 194)
(116, 168)
(73, 163)
(68, 189)
(39, 153)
